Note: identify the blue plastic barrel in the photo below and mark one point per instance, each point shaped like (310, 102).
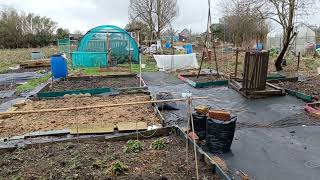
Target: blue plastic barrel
(318, 46)
(188, 48)
(59, 66)
(259, 46)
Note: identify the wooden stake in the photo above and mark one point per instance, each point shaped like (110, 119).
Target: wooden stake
(236, 69)
(194, 138)
(96, 106)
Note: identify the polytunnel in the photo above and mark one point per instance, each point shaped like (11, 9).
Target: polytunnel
(105, 46)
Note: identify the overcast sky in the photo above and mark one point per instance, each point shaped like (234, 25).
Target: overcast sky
(86, 14)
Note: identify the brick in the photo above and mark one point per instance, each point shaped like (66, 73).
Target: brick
(201, 109)
(193, 136)
(220, 115)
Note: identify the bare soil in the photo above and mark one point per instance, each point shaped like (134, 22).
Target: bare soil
(205, 78)
(93, 161)
(21, 124)
(310, 87)
(95, 82)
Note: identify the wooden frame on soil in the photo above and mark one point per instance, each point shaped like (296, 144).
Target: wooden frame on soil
(202, 84)
(93, 91)
(203, 156)
(66, 131)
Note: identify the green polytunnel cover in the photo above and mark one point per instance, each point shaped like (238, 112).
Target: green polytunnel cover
(93, 47)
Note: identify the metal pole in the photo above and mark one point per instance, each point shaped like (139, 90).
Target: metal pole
(140, 69)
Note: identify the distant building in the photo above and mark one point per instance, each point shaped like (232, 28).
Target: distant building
(75, 37)
(185, 35)
(304, 42)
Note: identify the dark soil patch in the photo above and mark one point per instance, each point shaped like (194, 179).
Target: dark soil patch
(310, 87)
(93, 160)
(97, 82)
(205, 78)
(21, 70)
(6, 87)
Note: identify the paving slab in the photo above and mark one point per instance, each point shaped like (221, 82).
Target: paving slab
(131, 126)
(92, 129)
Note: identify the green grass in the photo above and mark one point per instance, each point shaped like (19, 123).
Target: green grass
(32, 84)
(13, 57)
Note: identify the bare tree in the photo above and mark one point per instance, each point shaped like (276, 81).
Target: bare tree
(242, 23)
(157, 14)
(285, 13)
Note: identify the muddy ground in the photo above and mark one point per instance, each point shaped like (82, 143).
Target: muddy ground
(98, 82)
(21, 124)
(93, 161)
(311, 86)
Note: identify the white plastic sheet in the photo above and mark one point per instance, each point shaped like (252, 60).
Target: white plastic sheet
(174, 62)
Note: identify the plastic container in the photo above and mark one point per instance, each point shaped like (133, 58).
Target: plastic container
(36, 55)
(188, 49)
(219, 135)
(199, 122)
(59, 67)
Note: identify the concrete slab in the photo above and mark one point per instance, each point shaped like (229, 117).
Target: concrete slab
(92, 129)
(132, 126)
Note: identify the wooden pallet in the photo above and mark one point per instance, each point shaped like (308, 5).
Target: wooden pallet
(272, 90)
(36, 63)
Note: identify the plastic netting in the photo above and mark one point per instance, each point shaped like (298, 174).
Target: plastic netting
(64, 46)
(93, 48)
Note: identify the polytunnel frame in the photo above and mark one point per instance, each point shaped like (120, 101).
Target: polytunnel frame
(106, 29)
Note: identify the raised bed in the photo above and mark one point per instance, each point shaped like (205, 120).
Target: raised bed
(92, 84)
(204, 80)
(16, 125)
(306, 90)
(63, 158)
(313, 109)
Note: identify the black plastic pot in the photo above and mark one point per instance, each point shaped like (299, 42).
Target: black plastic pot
(219, 135)
(199, 122)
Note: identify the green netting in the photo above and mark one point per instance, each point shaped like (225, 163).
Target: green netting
(92, 50)
(64, 46)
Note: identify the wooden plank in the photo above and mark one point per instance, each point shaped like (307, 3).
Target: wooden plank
(101, 128)
(132, 126)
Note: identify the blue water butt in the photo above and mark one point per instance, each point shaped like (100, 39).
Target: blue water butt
(59, 67)
(188, 49)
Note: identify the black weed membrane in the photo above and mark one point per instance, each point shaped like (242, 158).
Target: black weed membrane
(166, 105)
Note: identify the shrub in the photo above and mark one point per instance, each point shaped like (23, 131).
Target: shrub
(158, 144)
(133, 146)
(118, 168)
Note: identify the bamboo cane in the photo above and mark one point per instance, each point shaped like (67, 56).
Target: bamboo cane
(97, 106)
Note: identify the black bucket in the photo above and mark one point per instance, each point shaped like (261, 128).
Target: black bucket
(219, 135)
(199, 122)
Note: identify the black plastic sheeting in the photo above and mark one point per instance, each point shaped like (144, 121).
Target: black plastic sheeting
(220, 135)
(274, 138)
(17, 78)
(166, 105)
(199, 123)
(250, 112)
